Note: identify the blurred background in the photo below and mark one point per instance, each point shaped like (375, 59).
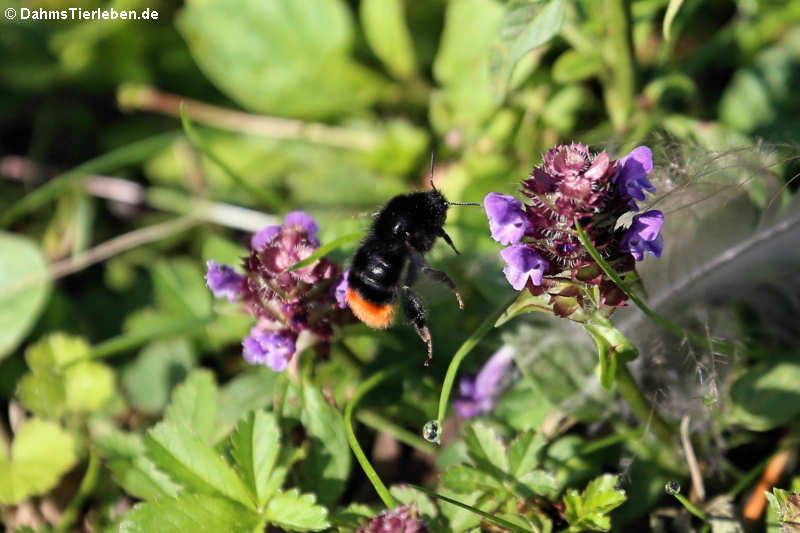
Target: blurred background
(333, 107)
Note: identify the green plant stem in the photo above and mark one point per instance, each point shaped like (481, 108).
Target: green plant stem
(108, 162)
(499, 521)
(641, 406)
(369, 384)
(697, 340)
(137, 338)
(70, 514)
(620, 85)
(462, 352)
(265, 196)
(689, 506)
(380, 423)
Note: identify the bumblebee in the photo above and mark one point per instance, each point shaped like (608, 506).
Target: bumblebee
(403, 231)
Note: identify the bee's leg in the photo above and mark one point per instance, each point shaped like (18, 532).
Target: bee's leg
(415, 312)
(418, 265)
(442, 277)
(443, 234)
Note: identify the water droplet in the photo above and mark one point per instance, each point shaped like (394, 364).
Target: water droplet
(432, 431)
(672, 488)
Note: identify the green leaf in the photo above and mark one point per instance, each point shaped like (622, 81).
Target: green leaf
(23, 289)
(525, 453)
(462, 66)
(284, 57)
(766, 397)
(467, 479)
(327, 468)
(485, 447)
(297, 512)
(180, 288)
(256, 443)
(194, 464)
(387, 34)
(62, 379)
(132, 470)
(747, 90)
(198, 513)
(150, 378)
(526, 25)
(589, 509)
(573, 66)
(194, 404)
(406, 494)
(40, 454)
(249, 391)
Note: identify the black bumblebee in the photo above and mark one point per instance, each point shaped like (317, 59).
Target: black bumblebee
(403, 231)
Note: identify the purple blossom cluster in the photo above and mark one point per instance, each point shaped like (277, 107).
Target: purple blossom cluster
(403, 519)
(284, 303)
(572, 184)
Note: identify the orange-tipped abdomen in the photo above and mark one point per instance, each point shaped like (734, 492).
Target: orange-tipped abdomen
(374, 315)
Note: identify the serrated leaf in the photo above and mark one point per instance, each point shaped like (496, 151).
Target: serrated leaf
(466, 479)
(486, 448)
(249, 391)
(256, 443)
(387, 34)
(350, 518)
(40, 454)
(131, 469)
(23, 288)
(525, 453)
(305, 46)
(297, 512)
(540, 482)
(198, 513)
(589, 509)
(192, 463)
(88, 385)
(327, 467)
(526, 25)
(160, 366)
(194, 404)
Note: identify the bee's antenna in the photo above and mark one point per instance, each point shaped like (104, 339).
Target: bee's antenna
(433, 162)
(464, 203)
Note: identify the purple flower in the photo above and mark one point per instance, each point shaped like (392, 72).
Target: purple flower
(478, 395)
(507, 220)
(400, 520)
(273, 349)
(263, 236)
(223, 280)
(631, 176)
(303, 220)
(643, 235)
(523, 263)
(341, 290)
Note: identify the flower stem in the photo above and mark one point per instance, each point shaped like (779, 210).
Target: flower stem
(697, 340)
(620, 86)
(70, 514)
(369, 384)
(641, 406)
(463, 351)
(380, 423)
(689, 506)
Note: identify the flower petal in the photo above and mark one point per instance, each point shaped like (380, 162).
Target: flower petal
(223, 281)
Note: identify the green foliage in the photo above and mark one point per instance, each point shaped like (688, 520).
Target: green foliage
(314, 79)
(40, 454)
(62, 379)
(786, 506)
(766, 397)
(387, 34)
(588, 510)
(24, 290)
(329, 461)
